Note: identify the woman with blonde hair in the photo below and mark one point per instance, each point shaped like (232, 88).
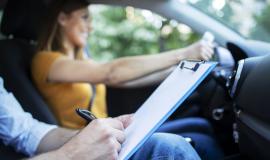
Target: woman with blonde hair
(67, 79)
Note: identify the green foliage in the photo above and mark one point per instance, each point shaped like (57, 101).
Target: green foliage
(225, 15)
(249, 18)
(177, 39)
(115, 34)
(262, 29)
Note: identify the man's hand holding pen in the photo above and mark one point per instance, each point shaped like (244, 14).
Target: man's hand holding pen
(102, 137)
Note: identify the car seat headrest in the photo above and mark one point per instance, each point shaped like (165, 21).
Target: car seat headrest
(23, 18)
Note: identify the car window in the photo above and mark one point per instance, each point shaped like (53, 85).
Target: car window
(127, 31)
(250, 18)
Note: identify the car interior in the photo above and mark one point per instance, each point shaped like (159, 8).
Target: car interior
(235, 95)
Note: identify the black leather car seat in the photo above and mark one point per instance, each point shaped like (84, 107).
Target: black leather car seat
(20, 26)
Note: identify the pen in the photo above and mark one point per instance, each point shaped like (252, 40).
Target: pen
(85, 114)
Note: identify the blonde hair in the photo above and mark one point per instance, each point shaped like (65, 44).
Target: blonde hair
(51, 38)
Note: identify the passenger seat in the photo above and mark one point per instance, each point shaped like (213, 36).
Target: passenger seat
(20, 26)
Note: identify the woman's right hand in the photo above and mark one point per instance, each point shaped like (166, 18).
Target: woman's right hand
(200, 50)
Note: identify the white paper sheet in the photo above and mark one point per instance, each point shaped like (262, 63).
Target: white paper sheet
(161, 104)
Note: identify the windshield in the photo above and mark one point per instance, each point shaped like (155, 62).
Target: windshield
(250, 18)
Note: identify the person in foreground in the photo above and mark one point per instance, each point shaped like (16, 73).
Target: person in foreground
(99, 140)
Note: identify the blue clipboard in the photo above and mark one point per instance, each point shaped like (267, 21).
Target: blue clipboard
(135, 139)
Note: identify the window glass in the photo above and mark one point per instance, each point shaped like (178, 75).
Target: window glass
(250, 18)
(127, 31)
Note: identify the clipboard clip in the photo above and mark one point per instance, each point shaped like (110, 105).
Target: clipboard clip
(196, 66)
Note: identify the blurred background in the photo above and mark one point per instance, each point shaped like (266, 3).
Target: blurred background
(119, 32)
(127, 31)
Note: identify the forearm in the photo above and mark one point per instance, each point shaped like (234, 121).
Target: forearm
(132, 68)
(121, 70)
(53, 155)
(152, 79)
(55, 139)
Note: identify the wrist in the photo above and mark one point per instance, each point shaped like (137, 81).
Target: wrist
(179, 55)
(64, 153)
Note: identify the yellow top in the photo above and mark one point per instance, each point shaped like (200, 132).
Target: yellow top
(64, 98)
